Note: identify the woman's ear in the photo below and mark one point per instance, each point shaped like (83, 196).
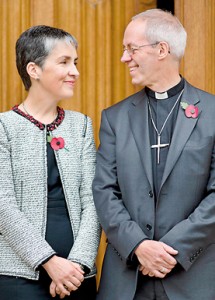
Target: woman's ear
(33, 70)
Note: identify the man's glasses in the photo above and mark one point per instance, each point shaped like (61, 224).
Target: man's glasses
(131, 49)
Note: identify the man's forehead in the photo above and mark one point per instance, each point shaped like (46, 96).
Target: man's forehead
(134, 32)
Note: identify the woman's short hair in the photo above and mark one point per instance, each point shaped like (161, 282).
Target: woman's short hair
(162, 26)
(35, 44)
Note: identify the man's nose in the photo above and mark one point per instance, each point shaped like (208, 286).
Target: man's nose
(125, 56)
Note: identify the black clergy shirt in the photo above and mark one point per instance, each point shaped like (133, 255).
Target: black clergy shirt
(160, 109)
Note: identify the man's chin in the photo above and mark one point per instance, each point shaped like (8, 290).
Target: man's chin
(135, 81)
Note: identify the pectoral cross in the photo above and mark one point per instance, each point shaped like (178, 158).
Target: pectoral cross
(158, 147)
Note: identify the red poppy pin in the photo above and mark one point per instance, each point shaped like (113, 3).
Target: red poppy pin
(56, 143)
(190, 110)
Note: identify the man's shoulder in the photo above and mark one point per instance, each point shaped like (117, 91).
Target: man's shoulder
(199, 91)
(127, 102)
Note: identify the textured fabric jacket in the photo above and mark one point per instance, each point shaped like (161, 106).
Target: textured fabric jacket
(23, 192)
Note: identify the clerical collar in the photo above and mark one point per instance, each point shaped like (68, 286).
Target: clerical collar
(167, 94)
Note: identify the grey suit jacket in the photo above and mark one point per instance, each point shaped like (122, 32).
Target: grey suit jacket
(23, 192)
(184, 215)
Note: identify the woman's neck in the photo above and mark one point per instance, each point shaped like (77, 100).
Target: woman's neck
(42, 111)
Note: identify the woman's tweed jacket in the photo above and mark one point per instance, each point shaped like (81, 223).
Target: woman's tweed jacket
(23, 192)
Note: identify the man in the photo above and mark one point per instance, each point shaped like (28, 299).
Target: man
(154, 187)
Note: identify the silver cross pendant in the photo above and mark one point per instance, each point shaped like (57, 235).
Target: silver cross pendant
(158, 147)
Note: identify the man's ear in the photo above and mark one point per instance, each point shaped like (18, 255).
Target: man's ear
(33, 70)
(163, 49)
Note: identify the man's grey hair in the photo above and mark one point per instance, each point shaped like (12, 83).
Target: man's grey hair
(162, 26)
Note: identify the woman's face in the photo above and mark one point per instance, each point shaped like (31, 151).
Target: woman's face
(59, 73)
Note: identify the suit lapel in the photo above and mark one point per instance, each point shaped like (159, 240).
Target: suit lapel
(183, 129)
(138, 117)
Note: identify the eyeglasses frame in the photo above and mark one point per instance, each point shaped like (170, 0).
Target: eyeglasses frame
(132, 50)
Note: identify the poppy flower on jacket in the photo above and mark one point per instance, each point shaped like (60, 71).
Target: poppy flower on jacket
(191, 111)
(57, 143)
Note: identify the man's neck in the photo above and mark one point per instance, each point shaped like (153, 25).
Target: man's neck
(165, 84)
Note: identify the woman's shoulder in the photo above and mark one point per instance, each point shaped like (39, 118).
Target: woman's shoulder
(8, 122)
(78, 121)
(7, 115)
(76, 116)
(8, 118)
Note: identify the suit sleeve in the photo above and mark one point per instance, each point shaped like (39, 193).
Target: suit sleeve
(123, 233)
(192, 236)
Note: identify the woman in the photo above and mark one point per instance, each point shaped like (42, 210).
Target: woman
(48, 224)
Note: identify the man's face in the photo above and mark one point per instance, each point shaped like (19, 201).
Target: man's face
(141, 61)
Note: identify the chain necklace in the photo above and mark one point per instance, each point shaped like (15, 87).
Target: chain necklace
(23, 105)
(159, 145)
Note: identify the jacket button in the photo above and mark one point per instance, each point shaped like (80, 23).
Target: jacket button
(150, 194)
(149, 227)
